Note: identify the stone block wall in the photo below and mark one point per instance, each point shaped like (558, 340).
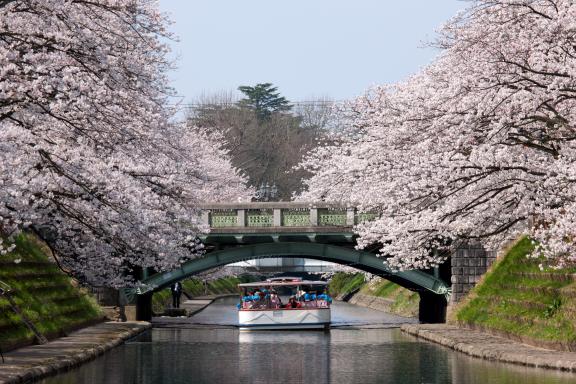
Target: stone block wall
(468, 264)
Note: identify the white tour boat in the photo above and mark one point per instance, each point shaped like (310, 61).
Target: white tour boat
(284, 303)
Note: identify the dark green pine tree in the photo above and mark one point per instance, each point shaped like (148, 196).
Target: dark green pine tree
(263, 99)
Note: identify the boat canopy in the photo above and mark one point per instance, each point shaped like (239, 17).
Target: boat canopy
(284, 278)
(283, 283)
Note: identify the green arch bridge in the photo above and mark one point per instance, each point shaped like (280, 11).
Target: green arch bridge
(319, 231)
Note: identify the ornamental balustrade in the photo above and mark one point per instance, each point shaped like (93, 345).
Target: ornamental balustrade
(282, 214)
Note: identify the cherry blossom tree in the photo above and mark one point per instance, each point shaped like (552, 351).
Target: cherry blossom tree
(89, 156)
(479, 145)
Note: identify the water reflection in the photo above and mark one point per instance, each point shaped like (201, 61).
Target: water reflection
(226, 355)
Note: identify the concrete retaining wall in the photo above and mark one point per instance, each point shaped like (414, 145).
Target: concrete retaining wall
(490, 347)
(372, 302)
(35, 362)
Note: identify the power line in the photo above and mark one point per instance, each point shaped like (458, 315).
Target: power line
(234, 104)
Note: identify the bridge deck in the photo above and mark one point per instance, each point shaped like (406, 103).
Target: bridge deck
(284, 216)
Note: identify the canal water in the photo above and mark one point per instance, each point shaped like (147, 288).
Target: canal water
(364, 347)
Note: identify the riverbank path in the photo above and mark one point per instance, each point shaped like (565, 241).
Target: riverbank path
(37, 361)
(494, 348)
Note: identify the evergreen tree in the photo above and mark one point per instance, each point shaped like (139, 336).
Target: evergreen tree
(264, 99)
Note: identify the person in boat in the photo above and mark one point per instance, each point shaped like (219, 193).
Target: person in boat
(313, 299)
(300, 294)
(275, 301)
(247, 300)
(324, 296)
(293, 303)
(308, 298)
(257, 299)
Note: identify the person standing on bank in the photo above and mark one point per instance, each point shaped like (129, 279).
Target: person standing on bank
(176, 290)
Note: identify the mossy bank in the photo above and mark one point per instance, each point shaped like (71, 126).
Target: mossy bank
(377, 293)
(44, 294)
(518, 299)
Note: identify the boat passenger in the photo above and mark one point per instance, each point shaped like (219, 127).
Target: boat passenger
(314, 299)
(247, 300)
(300, 294)
(293, 303)
(309, 299)
(275, 301)
(325, 297)
(259, 294)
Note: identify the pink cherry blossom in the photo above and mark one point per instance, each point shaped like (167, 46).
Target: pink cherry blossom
(90, 158)
(480, 145)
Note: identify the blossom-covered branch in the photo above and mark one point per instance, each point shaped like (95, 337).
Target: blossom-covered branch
(88, 154)
(474, 146)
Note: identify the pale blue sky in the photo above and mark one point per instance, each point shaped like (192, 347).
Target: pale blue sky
(308, 48)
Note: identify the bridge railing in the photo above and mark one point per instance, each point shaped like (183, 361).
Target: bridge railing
(282, 214)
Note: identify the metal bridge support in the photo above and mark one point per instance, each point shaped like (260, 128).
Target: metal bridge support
(144, 307)
(432, 308)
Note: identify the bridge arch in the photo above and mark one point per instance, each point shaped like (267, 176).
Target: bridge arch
(432, 290)
(414, 279)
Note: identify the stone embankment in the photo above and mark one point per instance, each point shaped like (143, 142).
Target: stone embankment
(378, 294)
(178, 317)
(34, 362)
(522, 299)
(373, 302)
(490, 347)
(191, 307)
(198, 303)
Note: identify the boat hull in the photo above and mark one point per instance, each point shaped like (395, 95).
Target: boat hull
(298, 318)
